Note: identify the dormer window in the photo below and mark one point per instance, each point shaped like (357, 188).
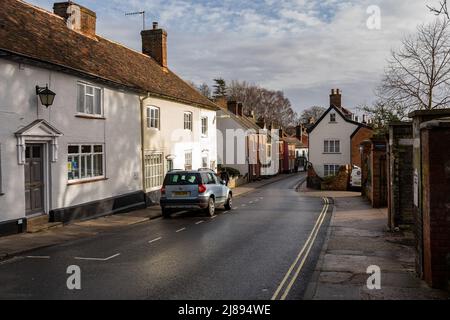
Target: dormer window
(332, 117)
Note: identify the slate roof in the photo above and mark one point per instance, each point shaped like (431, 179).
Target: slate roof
(38, 35)
(339, 111)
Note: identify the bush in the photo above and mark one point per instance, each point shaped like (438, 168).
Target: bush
(232, 172)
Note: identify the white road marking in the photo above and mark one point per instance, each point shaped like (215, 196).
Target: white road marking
(235, 208)
(213, 217)
(180, 230)
(244, 205)
(251, 202)
(199, 222)
(98, 259)
(154, 240)
(38, 257)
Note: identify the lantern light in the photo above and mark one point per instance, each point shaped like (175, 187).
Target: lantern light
(45, 95)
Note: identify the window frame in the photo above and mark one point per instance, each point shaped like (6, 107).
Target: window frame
(186, 164)
(94, 88)
(336, 149)
(335, 170)
(153, 170)
(188, 123)
(82, 155)
(333, 118)
(150, 119)
(205, 127)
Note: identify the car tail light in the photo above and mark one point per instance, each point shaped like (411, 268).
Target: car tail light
(163, 190)
(201, 188)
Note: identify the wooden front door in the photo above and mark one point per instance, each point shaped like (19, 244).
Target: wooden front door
(34, 179)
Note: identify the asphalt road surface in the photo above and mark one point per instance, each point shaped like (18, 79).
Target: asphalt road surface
(265, 248)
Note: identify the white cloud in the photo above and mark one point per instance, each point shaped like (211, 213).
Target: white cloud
(305, 47)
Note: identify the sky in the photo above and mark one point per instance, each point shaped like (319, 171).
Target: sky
(303, 47)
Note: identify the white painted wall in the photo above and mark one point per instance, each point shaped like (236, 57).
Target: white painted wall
(340, 130)
(172, 139)
(120, 133)
(231, 154)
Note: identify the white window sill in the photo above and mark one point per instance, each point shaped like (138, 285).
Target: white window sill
(89, 116)
(85, 181)
(153, 189)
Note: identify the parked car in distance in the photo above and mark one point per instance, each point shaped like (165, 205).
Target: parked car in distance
(355, 178)
(194, 190)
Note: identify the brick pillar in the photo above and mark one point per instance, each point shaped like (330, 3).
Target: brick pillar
(418, 117)
(365, 169)
(436, 201)
(379, 172)
(400, 178)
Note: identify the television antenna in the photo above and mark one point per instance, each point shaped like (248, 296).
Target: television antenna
(138, 13)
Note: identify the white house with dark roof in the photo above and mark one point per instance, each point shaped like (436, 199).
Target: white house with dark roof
(120, 118)
(330, 138)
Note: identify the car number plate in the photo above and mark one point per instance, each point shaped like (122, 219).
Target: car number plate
(181, 194)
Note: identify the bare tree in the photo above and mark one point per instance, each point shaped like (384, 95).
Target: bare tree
(442, 9)
(384, 112)
(313, 113)
(268, 105)
(418, 75)
(205, 90)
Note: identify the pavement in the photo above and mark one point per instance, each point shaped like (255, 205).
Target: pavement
(22, 243)
(265, 248)
(358, 238)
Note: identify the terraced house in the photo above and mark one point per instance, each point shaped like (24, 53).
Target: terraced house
(89, 127)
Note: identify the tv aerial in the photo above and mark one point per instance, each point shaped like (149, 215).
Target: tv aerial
(138, 13)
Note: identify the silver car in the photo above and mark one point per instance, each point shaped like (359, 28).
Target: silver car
(193, 190)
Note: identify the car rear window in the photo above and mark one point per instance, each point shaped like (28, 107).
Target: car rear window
(181, 179)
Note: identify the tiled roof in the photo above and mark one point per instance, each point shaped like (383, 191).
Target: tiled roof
(244, 121)
(39, 35)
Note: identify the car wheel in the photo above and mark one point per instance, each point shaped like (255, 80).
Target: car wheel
(166, 213)
(229, 203)
(211, 210)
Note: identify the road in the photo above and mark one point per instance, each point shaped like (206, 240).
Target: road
(265, 248)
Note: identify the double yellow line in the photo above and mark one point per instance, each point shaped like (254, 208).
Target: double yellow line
(280, 294)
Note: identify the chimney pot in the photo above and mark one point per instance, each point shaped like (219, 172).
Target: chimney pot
(336, 98)
(155, 25)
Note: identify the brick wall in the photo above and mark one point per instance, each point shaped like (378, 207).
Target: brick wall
(379, 173)
(374, 171)
(339, 182)
(419, 117)
(436, 205)
(400, 185)
(361, 135)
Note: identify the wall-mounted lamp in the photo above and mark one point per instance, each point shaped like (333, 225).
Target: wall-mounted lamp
(45, 95)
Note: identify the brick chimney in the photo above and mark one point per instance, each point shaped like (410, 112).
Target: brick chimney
(233, 107)
(77, 17)
(154, 44)
(299, 132)
(336, 98)
(240, 109)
